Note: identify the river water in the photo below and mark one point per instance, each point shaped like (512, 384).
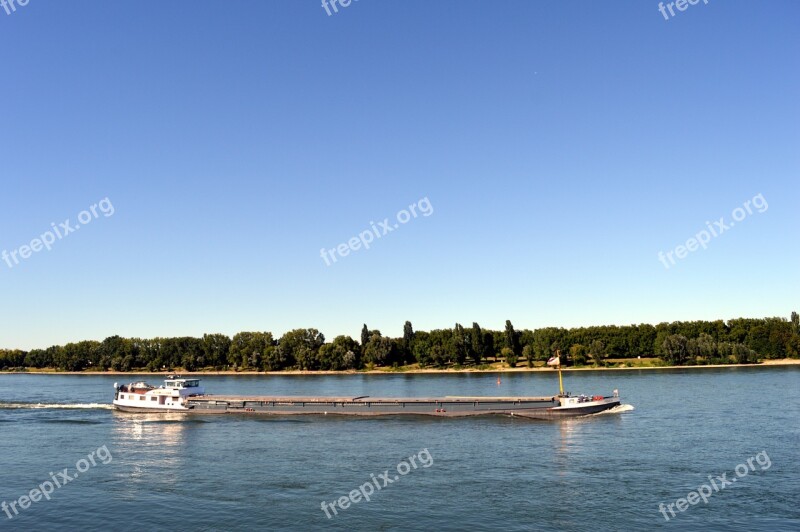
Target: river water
(679, 430)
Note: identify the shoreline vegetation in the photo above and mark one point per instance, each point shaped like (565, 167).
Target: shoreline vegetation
(740, 342)
(412, 369)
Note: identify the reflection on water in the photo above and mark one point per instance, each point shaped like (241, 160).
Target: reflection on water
(166, 429)
(574, 432)
(568, 444)
(569, 435)
(153, 445)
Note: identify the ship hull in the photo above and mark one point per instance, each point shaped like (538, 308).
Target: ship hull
(144, 410)
(532, 408)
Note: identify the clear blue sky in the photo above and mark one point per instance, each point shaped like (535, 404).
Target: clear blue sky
(562, 145)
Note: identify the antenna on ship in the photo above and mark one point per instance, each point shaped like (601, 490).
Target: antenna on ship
(556, 361)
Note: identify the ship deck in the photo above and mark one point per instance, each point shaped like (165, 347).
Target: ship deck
(544, 407)
(368, 399)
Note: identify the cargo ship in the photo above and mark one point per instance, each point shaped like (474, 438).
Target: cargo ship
(187, 396)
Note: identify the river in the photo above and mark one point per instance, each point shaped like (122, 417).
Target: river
(734, 432)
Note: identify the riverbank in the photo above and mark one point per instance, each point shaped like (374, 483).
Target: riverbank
(497, 367)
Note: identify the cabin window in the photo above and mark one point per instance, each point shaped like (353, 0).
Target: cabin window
(142, 398)
(122, 396)
(154, 399)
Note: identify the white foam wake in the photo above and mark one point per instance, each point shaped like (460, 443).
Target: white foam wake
(66, 406)
(619, 409)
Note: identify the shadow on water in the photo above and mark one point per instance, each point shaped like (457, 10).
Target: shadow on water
(71, 421)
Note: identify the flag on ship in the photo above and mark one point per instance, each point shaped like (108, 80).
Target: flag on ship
(554, 361)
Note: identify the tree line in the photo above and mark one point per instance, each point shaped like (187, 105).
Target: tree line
(742, 340)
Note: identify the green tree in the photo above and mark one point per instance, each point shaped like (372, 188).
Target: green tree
(443, 339)
(408, 342)
(548, 340)
(705, 347)
(438, 356)
(12, 358)
(744, 355)
(675, 349)
(191, 353)
(527, 352)
(597, 351)
(38, 358)
(112, 348)
(252, 351)
(422, 348)
(143, 351)
(379, 351)
(77, 356)
(476, 339)
(342, 354)
(215, 350)
(460, 343)
(300, 347)
(364, 337)
(793, 350)
(512, 339)
(577, 354)
(488, 345)
(640, 340)
(510, 357)
(276, 360)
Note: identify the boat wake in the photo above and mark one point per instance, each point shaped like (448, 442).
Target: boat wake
(55, 406)
(619, 409)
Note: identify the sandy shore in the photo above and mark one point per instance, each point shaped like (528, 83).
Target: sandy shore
(387, 371)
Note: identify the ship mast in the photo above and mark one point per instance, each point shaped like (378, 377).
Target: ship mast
(560, 380)
(556, 361)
